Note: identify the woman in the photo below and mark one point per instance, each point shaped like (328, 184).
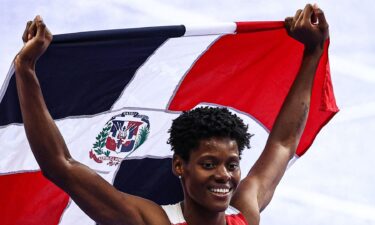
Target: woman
(208, 165)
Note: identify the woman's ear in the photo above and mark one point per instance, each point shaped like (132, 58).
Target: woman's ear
(177, 165)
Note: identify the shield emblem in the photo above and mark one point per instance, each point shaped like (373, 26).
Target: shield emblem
(123, 133)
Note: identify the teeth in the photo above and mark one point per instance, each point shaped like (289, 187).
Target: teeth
(220, 190)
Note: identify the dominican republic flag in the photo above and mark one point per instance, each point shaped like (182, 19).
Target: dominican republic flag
(113, 95)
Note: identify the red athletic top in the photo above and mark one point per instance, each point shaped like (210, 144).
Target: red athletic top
(174, 212)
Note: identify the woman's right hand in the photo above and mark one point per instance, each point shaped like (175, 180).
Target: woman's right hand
(36, 38)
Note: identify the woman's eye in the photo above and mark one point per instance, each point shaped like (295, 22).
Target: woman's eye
(233, 166)
(208, 165)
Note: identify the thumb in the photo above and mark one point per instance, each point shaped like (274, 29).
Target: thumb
(321, 18)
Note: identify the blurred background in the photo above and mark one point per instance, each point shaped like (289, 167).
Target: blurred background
(334, 182)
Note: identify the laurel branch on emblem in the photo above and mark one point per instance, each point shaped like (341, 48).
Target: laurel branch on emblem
(101, 139)
(143, 134)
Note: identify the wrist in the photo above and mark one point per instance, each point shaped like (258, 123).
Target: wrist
(314, 50)
(24, 63)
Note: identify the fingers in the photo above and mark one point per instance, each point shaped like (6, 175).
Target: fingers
(298, 13)
(36, 28)
(299, 19)
(311, 14)
(31, 31)
(40, 27)
(291, 21)
(26, 32)
(307, 16)
(308, 12)
(297, 16)
(288, 23)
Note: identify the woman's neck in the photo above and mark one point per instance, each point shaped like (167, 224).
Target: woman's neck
(195, 214)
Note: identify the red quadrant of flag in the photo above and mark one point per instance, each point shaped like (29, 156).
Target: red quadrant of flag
(30, 199)
(252, 71)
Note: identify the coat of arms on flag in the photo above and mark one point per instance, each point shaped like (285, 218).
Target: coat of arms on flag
(121, 135)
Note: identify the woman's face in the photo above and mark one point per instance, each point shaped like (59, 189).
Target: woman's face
(212, 174)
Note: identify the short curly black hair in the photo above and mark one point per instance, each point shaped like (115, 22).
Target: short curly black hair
(192, 126)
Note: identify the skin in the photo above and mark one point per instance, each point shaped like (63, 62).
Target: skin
(212, 165)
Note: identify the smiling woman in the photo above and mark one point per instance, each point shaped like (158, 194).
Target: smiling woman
(214, 167)
(207, 144)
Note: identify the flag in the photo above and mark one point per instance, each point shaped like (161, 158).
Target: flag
(114, 93)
